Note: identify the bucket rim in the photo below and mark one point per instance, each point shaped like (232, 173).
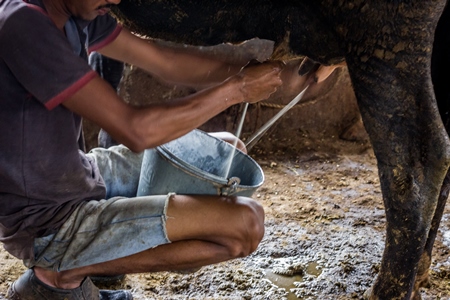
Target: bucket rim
(193, 170)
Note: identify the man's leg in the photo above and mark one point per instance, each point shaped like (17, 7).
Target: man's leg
(231, 139)
(203, 230)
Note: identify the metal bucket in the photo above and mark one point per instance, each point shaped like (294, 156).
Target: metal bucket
(196, 163)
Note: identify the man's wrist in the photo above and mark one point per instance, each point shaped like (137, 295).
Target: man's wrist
(234, 91)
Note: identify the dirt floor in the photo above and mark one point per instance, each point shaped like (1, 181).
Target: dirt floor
(324, 236)
(324, 213)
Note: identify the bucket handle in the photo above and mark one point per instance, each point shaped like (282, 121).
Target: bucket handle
(231, 186)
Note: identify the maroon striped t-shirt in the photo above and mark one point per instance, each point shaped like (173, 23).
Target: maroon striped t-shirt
(43, 175)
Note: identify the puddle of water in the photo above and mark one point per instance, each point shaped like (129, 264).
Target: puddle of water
(284, 282)
(287, 282)
(314, 269)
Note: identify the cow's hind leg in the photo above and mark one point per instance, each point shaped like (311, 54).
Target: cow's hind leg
(440, 67)
(392, 83)
(412, 153)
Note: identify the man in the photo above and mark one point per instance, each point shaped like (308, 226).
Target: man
(53, 212)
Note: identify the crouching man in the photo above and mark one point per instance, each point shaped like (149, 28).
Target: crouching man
(71, 215)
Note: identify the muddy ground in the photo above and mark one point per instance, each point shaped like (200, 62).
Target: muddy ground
(324, 237)
(324, 214)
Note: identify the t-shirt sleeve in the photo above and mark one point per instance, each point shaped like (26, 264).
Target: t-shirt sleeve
(102, 31)
(41, 58)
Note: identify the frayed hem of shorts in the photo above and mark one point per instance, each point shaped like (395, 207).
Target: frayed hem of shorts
(164, 216)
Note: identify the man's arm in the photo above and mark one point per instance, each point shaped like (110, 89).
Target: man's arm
(176, 66)
(147, 127)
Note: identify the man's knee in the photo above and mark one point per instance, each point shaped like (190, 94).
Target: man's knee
(251, 230)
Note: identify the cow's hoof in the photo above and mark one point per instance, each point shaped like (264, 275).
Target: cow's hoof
(422, 279)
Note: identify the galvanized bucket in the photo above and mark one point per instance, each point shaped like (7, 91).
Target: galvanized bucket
(197, 163)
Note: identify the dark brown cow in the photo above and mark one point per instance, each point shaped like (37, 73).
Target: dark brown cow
(387, 45)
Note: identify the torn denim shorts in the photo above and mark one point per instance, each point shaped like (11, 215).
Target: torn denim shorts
(104, 230)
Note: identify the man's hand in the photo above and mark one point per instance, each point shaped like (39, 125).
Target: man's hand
(259, 81)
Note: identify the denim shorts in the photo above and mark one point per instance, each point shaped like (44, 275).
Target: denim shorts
(104, 230)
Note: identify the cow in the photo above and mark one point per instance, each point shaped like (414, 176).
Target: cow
(389, 47)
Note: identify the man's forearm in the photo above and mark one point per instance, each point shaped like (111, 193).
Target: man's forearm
(176, 65)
